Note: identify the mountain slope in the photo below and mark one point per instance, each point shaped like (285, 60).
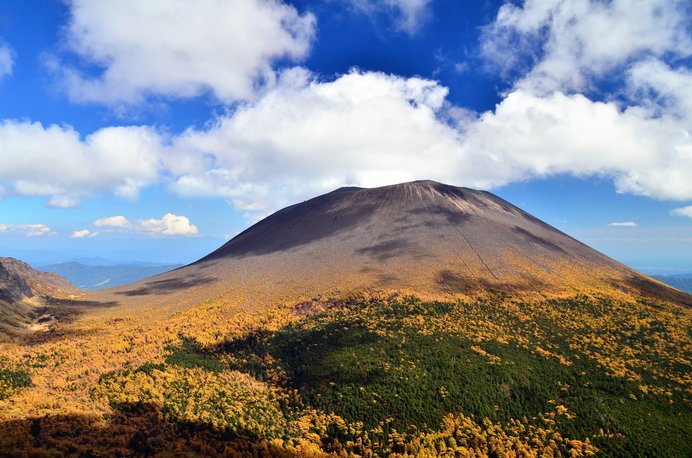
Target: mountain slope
(23, 293)
(423, 236)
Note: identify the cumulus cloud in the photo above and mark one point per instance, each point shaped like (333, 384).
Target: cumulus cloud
(169, 225)
(37, 230)
(181, 49)
(569, 42)
(410, 14)
(623, 224)
(638, 134)
(664, 90)
(532, 136)
(6, 60)
(83, 233)
(28, 230)
(113, 221)
(300, 135)
(307, 136)
(682, 211)
(55, 161)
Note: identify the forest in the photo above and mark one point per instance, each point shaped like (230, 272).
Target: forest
(388, 376)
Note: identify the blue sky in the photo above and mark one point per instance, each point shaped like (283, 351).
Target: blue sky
(136, 131)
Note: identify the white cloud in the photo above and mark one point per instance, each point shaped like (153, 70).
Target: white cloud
(573, 41)
(661, 88)
(623, 224)
(113, 221)
(169, 225)
(305, 137)
(54, 161)
(301, 136)
(6, 60)
(83, 233)
(543, 126)
(28, 230)
(409, 13)
(682, 211)
(370, 129)
(37, 230)
(531, 136)
(182, 49)
(62, 202)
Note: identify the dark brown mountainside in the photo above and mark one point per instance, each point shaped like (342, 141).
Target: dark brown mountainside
(424, 237)
(23, 293)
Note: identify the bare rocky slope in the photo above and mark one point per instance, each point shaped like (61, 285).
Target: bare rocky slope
(423, 237)
(24, 294)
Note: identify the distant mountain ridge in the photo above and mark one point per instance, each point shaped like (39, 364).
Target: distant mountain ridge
(106, 276)
(683, 282)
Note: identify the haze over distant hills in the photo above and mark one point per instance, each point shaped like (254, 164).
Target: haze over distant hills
(106, 276)
(683, 282)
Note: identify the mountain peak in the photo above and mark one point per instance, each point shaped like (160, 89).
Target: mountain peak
(421, 236)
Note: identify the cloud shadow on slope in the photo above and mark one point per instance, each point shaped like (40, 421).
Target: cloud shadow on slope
(167, 286)
(388, 249)
(62, 311)
(453, 216)
(538, 240)
(452, 282)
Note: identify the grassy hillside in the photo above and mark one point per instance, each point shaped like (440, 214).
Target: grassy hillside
(567, 377)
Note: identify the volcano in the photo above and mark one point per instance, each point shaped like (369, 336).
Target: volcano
(418, 319)
(423, 237)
